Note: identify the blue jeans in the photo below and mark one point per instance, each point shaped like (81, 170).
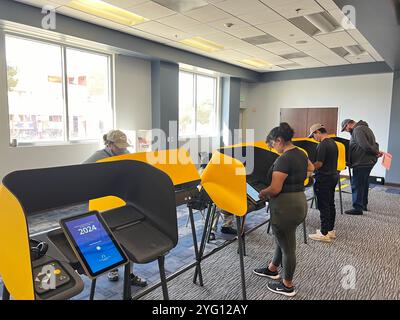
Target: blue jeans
(360, 187)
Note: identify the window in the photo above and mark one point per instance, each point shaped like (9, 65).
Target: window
(56, 93)
(197, 104)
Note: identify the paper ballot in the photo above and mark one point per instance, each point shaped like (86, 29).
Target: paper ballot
(387, 160)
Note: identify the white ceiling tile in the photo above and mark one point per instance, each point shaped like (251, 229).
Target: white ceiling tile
(262, 16)
(336, 39)
(201, 30)
(159, 29)
(297, 8)
(151, 10)
(328, 4)
(262, 54)
(230, 54)
(222, 24)
(123, 3)
(278, 48)
(207, 14)
(237, 7)
(362, 58)
(245, 32)
(282, 30)
(357, 35)
(224, 39)
(179, 21)
(371, 50)
(308, 62)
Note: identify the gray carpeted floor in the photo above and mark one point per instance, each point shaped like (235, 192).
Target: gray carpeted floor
(367, 246)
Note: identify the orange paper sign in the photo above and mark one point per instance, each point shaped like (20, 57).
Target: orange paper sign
(387, 160)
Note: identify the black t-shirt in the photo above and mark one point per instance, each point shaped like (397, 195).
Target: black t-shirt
(327, 153)
(294, 163)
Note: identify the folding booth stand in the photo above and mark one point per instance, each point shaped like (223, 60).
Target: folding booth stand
(146, 229)
(178, 165)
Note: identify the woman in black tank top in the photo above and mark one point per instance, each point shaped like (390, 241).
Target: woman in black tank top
(288, 206)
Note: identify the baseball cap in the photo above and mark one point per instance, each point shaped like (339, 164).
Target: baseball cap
(118, 138)
(314, 128)
(345, 123)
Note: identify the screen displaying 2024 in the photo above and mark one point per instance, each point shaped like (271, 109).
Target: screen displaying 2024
(94, 243)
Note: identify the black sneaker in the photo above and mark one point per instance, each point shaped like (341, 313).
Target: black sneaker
(136, 281)
(265, 272)
(280, 288)
(228, 230)
(354, 212)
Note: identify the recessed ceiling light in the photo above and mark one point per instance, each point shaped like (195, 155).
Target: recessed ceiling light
(228, 24)
(202, 44)
(107, 11)
(256, 63)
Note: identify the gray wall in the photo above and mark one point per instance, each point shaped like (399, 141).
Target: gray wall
(366, 97)
(165, 99)
(393, 175)
(230, 109)
(132, 93)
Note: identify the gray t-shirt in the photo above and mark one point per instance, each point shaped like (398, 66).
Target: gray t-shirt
(99, 155)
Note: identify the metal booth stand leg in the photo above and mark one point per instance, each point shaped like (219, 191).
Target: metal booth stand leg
(92, 289)
(241, 259)
(163, 278)
(6, 294)
(340, 195)
(196, 248)
(203, 242)
(127, 294)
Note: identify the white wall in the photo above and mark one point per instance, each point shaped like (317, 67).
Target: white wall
(363, 97)
(133, 111)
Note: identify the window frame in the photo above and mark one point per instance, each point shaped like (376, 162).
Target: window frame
(63, 63)
(217, 102)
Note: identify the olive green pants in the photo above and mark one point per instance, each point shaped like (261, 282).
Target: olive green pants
(288, 211)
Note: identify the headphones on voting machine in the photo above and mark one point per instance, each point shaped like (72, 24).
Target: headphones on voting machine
(38, 249)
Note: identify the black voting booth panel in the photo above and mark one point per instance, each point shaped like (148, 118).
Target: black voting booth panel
(309, 146)
(145, 228)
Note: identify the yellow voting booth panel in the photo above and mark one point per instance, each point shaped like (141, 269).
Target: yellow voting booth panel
(341, 164)
(15, 262)
(224, 179)
(176, 163)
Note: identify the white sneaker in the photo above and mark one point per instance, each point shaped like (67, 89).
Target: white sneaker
(320, 237)
(331, 234)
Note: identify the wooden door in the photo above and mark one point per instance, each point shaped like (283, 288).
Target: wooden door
(297, 118)
(301, 119)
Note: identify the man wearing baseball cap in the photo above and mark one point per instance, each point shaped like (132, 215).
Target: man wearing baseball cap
(116, 143)
(364, 153)
(326, 179)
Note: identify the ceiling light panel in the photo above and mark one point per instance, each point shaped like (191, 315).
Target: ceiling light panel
(107, 11)
(125, 4)
(258, 63)
(324, 22)
(202, 44)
